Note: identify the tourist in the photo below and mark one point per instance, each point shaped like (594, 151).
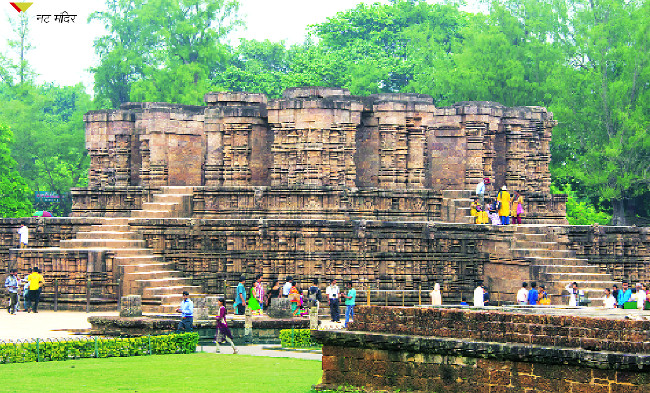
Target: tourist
(486, 297)
(576, 296)
(187, 314)
(253, 302)
(23, 231)
(463, 301)
(36, 283)
(286, 288)
(503, 199)
(295, 299)
(615, 292)
(260, 294)
(640, 297)
(533, 294)
(482, 216)
(478, 296)
(223, 331)
(544, 299)
(491, 208)
(315, 295)
(647, 295)
(517, 208)
(609, 301)
(273, 293)
(26, 301)
(522, 295)
(624, 295)
(240, 297)
(11, 283)
(350, 299)
(474, 209)
(332, 292)
(481, 187)
(436, 295)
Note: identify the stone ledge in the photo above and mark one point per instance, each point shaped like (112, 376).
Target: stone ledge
(488, 350)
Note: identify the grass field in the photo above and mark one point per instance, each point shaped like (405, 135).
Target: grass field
(200, 372)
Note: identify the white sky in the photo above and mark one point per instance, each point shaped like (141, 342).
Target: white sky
(63, 52)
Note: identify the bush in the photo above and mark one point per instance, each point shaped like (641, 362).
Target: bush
(301, 338)
(56, 350)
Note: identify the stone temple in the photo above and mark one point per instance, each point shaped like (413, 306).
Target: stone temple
(317, 184)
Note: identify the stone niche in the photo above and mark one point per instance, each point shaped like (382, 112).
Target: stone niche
(317, 136)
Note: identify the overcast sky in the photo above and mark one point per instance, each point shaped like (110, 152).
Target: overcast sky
(63, 52)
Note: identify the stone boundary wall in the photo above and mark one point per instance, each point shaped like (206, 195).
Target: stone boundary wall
(372, 361)
(448, 350)
(593, 334)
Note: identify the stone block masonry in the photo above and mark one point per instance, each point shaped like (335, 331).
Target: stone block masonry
(412, 355)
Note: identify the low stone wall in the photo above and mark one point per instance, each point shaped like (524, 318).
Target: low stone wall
(467, 351)
(265, 331)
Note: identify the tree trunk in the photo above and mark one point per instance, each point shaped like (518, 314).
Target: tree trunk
(618, 218)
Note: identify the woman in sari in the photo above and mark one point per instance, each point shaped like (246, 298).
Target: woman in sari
(253, 303)
(223, 331)
(294, 298)
(517, 208)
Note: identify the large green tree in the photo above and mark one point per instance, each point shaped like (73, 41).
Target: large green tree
(15, 195)
(161, 50)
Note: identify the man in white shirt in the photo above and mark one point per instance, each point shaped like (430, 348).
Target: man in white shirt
(480, 189)
(609, 301)
(333, 299)
(640, 296)
(478, 296)
(286, 288)
(522, 295)
(24, 235)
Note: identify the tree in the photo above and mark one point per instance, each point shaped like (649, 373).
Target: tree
(15, 195)
(161, 50)
(21, 45)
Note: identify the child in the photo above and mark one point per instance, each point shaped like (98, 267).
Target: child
(223, 332)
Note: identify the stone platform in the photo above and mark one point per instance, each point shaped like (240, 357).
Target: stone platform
(451, 350)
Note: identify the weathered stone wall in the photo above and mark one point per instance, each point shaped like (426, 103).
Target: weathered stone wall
(71, 269)
(316, 137)
(453, 351)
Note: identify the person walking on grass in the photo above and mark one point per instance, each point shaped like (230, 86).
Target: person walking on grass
(11, 283)
(187, 314)
(333, 301)
(350, 299)
(36, 283)
(223, 331)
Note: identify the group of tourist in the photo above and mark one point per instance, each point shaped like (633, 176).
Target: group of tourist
(258, 299)
(532, 296)
(499, 210)
(628, 298)
(28, 289)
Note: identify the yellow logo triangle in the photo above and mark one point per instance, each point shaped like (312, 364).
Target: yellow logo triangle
(21, 7)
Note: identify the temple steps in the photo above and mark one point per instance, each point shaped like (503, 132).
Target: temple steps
(106, 234)
(102, 242)
(455, 206)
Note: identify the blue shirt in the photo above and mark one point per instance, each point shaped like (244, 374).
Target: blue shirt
(12, 284)
(533, 296)
(240, 291)
(624, 296)
(187, 308)
(352, 293)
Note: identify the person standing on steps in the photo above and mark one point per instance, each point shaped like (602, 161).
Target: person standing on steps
(36, 283)
(240, 297)
(11, 283)
(533, 295)
(333, 299)
(223, 331)
(503, 199)
(187, 314)
(522, 295)
(23, 231)
(517, 208)
(481, 188)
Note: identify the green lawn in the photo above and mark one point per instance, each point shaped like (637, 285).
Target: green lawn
(200, 372)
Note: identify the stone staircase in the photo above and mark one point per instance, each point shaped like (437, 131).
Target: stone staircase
(456, 206)
(143, 272)
(556, 267)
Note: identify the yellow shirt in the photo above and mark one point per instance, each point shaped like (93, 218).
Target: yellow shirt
(515, 204)
(504, 198)
(35, 280)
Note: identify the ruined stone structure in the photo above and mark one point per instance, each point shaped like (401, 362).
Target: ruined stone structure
(454, 350)
(318, 184)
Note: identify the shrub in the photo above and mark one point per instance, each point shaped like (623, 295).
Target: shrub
(56, 350)
(301, 338)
